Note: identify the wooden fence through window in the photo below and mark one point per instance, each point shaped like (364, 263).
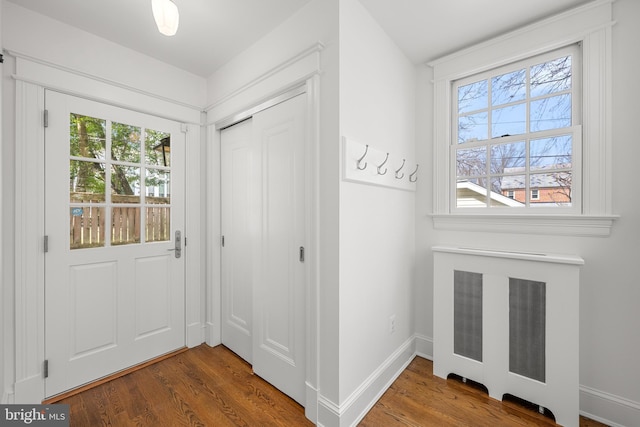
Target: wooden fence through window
(87, 221)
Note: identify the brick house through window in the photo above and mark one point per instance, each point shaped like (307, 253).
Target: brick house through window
(544, 189)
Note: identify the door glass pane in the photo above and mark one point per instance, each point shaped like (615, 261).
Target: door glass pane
(86, 181)
(86, 227)
(125, 184)
(125, 143)
(158, 186)
(125, 225)
(157, 148)
(87, 136)
(158, 223)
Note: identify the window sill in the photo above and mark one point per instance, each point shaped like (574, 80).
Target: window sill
(565, 225)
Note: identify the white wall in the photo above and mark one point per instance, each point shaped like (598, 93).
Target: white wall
(45, 39)
(313, 23)
(377, 227)
(609, 341)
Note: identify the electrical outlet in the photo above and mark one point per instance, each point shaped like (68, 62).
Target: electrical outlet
(392, 323)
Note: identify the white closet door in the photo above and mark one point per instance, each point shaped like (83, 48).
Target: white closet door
(263, 224)
(238, 220)
(279, 285)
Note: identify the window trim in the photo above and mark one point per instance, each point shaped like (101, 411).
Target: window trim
(589, 25)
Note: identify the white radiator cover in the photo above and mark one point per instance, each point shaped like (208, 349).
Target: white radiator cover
(544, 293)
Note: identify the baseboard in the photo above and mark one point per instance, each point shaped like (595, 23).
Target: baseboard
(212, 335)
(29, 390)
(424, 346)
(7, 398)
(609, 409)
(356, 406)
(311, 403)
(328, 413)
(195, 334)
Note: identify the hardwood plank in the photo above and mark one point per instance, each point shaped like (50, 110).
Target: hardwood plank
(201, 387)
(418, 398)
(108, 378)
(207, 386)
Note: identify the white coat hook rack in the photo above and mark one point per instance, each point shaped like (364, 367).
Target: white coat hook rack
(357, 157)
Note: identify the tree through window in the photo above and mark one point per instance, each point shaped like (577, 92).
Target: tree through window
(516, 134)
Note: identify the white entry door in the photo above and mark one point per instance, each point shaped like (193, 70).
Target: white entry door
(114, 269)
(264, 274)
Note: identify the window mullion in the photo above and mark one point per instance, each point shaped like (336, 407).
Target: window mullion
(143, 185)
(488, 143)
(107, 196)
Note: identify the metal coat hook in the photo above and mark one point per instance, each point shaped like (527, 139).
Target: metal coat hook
(382, 164)
(362, 158)
(399, 169)
(414, 173)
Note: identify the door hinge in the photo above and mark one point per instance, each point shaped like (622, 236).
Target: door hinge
(301, 253)
(45, 368)
(222, 241)
(46, 244)
(185, 242)
(46, 118)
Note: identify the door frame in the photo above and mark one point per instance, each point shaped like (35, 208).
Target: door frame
(28, 354)
(309, 85)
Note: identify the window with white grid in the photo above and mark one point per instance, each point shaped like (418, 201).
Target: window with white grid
(516, 136)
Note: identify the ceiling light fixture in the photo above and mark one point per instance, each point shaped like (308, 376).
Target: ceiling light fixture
(165, 12)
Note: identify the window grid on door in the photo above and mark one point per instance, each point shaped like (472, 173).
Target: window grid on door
(119, 183)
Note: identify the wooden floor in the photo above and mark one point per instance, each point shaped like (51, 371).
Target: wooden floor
(213, 387)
